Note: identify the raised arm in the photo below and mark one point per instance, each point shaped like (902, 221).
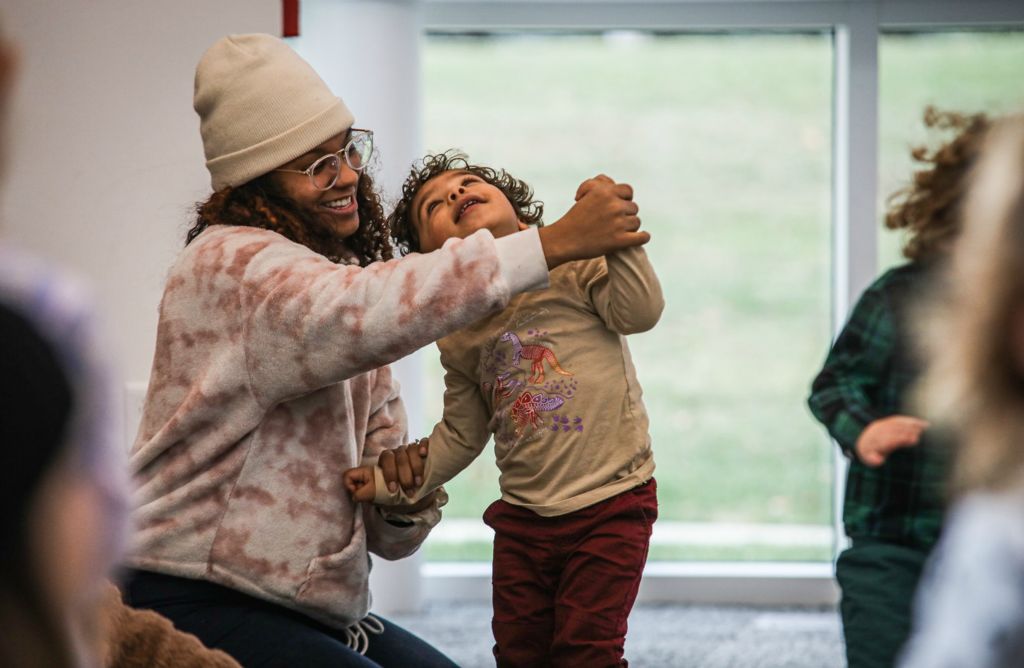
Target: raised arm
(307, 323)
(624, 290)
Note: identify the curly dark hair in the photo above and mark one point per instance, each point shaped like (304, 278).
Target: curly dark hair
(260, 203)
(401, 221)
(929, 208)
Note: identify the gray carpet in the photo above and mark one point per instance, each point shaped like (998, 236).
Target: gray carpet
(666, 636)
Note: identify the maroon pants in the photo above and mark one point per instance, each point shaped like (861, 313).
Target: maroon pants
(564, 586)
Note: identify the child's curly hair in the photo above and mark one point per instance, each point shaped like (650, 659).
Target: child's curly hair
(929, 208)
(401, 223)
(259, 203)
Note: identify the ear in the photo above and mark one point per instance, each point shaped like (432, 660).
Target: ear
(523, 226)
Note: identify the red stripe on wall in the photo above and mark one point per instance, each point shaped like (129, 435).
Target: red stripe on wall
(290, 25)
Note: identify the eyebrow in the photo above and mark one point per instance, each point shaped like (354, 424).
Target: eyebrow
(319, 151)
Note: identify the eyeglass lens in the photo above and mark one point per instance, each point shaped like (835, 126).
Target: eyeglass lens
(324, 172)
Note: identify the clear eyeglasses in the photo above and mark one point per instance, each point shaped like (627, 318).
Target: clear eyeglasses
(323, 173)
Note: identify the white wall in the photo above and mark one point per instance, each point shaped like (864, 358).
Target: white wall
(107, 159)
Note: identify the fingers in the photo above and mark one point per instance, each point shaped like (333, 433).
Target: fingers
(353, 480)
(623, 190)
(873, 459)
(417, 461)
(389, 468)
(359, 483)
(630, 239)
(590, 184)
(405, 475)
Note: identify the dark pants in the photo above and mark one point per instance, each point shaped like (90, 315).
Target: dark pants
(878, 580)
(564, 586)
(258, 633)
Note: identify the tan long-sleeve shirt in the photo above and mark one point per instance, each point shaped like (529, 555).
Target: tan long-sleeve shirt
(551, 378)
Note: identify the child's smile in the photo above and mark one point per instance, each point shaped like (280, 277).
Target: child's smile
(465, 207)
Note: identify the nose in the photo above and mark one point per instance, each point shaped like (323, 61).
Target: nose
(347, 177)
(454, 194)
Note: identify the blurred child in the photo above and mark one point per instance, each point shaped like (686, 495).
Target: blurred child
(64, 481)
(63, 509)
(970, 610)
(551, 378)
(895, 485)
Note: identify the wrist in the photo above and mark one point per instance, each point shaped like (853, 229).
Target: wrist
(554, 246)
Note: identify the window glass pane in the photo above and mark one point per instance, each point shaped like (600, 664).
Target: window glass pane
(954, 71)
(726, 140)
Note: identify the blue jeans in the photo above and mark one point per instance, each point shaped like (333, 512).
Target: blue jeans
(259, 634)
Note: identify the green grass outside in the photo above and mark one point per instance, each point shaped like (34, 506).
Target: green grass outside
(726, 140)
(481, 551)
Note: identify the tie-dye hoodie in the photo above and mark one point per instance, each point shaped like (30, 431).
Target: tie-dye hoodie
(268, 382)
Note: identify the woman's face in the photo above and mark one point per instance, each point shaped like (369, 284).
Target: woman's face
(335, 209)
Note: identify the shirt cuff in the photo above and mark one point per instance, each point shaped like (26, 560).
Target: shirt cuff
(427, 517)
(382, 496)
(521, 261)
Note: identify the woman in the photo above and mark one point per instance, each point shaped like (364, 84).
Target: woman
(269, 379)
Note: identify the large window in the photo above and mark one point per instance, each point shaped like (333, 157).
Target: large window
(727, 141)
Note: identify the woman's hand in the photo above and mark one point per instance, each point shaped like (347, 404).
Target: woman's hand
(604, 219)
(404, 466)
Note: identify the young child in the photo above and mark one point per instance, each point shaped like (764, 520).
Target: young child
(551, 378)
(970, 608)
(895, 486)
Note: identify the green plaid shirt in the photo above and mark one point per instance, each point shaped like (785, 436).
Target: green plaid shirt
(866, 377)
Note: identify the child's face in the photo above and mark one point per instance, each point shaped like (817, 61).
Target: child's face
(457, 204)
(334, 209)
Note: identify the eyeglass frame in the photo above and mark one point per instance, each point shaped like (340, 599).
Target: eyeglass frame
(341, 155)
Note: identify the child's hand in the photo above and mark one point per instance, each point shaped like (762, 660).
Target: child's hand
(359, 483)
(884, 436)
(404, 466)
(604, 219)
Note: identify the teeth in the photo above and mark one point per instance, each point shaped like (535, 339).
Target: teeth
(339, 203)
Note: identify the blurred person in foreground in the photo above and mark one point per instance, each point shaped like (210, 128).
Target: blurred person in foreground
(63, 480)
(970, 609)
(895, 491)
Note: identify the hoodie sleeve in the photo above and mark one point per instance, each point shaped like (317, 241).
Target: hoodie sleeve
(307, 322)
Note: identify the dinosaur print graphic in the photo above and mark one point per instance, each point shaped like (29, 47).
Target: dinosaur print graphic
(537, 356)
(524, 410)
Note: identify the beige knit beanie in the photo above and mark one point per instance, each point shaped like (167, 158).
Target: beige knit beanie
(260, 105)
